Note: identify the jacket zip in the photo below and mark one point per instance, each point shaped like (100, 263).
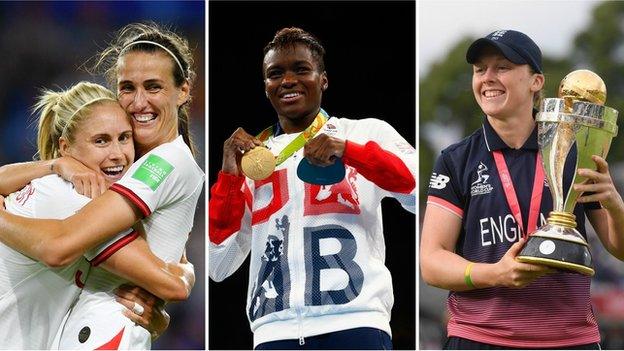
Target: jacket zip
(297, 261)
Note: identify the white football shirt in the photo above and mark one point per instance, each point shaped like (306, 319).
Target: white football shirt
(33, 297)
(165, 184)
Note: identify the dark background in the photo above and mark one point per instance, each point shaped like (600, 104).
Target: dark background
(44, 45)
(371, 68)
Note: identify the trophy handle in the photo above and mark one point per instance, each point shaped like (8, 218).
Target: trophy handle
(589, 141)
(560, 125)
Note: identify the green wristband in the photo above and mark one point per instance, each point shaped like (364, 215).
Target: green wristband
(467, 277)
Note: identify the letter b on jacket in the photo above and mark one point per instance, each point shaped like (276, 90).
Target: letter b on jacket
(333, 276)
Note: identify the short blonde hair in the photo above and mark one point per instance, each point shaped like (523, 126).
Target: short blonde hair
(60, 112)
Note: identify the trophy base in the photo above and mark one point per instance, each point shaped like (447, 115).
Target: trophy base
(557, 252)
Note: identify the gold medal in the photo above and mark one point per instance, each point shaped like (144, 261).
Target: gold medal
(258, 163)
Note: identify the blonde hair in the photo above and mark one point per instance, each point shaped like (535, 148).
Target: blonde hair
(60, 112)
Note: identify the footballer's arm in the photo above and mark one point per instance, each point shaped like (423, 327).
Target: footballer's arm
(87, 182)
(58, 243)
(169, 281)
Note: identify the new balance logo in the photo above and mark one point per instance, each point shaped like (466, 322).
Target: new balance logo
(438, 181)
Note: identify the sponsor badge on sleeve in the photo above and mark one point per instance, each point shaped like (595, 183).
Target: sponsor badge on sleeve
(153, 171)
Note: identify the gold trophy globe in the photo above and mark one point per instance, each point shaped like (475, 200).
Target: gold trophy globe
(578, 118)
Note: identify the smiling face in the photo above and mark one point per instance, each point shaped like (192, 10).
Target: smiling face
(102, 141)
(146, 90)
(294, 84)
(502, 88)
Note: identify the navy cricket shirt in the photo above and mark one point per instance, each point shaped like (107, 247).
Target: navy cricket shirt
(554, 310)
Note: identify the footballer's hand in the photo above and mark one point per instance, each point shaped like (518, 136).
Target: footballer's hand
(514, 274)
(189, 271)
(323, 150)
(234, 148)
(2, 203)
(150, 314)
(86, 181)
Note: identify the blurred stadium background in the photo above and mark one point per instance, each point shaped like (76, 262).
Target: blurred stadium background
(448, 112)
(43, 44)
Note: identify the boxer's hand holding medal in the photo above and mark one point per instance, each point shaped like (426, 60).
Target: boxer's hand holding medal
(322, 164)
(323, 150)
(245, 153)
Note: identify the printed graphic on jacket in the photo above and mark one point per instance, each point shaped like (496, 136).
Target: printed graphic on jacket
(268, 291)
(332, 277)
(341, 197)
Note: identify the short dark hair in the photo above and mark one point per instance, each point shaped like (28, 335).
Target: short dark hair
(290, 36)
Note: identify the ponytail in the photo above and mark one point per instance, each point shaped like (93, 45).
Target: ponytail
(60, 113)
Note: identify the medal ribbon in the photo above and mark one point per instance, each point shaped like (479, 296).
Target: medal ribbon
(300, 140)
(510, 192)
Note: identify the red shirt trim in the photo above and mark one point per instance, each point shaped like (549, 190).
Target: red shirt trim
(77, 280)
(446, 205)
(114, 247)
(134, 198)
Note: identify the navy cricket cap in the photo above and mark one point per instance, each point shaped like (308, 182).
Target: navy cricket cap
(515, 46)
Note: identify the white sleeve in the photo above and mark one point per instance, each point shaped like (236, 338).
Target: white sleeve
(227, 256)
(52, 198)
(390, 140)
(160, 178)
(100, 253)
(21, 202)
